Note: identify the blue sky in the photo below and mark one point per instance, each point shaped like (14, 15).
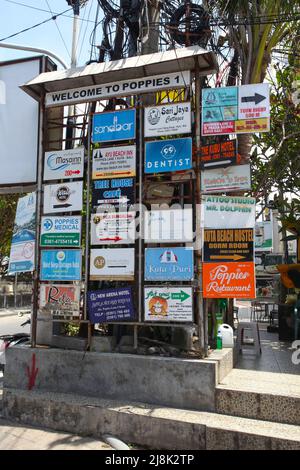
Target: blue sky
(14, 18)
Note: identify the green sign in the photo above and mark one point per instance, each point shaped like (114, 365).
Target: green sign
(60, 231)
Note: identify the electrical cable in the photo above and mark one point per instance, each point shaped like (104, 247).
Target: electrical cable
(59, 32)
(34, 26)
(91, 4)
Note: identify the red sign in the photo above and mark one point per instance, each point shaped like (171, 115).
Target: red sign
(218, 128)
(229, 280)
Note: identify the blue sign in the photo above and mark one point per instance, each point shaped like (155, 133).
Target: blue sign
(110, 305)
(168, 155)
(114, 126)
(60, 265)
(220, 104)
(169, 264)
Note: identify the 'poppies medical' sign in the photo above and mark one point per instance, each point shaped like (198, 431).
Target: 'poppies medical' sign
(61, 231)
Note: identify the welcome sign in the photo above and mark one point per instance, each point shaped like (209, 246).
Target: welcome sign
(61, 231)
(168, 155)
(169, 264)
(114, 126)
(62, 164)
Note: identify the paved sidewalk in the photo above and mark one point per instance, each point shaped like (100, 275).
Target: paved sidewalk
(15, 436)
(8, 312)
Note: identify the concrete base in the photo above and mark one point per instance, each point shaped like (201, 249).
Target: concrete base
(150, 426)
(182, 383)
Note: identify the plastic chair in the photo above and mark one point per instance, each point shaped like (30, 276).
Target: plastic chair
(297, 318)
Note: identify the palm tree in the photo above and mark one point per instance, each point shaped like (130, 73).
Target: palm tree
(255, 28)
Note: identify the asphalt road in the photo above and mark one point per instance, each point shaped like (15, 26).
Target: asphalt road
(12, 325)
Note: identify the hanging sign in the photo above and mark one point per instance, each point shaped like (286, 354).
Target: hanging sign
(64, 164)
(110, 305)
(229, 280)
(22, 248)
(171, 225)
(112, 264)
(219, 155)
(232, 178)
(228, 212)
(113, 126)
(169, 264)
(119, 193)
(167, 119)
(121, 88)
(60, 265)
(64, 197)
(61, 301)
(229, 110)
(169, 304)
(168, 155)
(114, 162)
(112, 228)
(61, 231)
(228, 245)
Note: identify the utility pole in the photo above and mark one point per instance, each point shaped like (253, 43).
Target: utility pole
(75, 4)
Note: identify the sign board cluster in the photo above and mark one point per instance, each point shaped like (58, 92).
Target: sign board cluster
(228, 247)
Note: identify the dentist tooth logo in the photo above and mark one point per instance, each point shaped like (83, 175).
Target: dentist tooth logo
(168, 151)
(154, 116)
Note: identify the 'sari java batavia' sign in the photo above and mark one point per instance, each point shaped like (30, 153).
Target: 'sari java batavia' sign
(167, 119)
(121, 88)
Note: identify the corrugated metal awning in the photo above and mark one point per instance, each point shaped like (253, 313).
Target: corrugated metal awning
(175, 60)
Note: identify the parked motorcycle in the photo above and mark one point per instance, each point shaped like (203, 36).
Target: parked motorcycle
(7, 341)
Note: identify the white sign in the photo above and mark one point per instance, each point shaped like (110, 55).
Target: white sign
(264, 236)
(19, 117)
(167, 119)
(114, 162)
(112, 263)
(228, 212)
(64, 164)
(169, 304)
(122, 88)
(254, 101)
(112, 228)
(170, 225)
(64, 197)
(232, 178)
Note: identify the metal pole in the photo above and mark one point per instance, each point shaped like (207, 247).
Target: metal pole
(15, 289)
(72, 109)
(87, 228)
(203, 338)
(34, 49)
(38, 222)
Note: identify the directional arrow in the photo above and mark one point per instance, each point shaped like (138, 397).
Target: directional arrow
(56, 206)
(257, 98)
(113, 239)
(182, 296)
(233, 257)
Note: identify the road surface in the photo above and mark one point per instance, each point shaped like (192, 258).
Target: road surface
(12, 324)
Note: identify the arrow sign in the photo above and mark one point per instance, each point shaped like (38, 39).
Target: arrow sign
(182, 296)
(114, 239)
(257, 98)
(56, 206)
(231, 257)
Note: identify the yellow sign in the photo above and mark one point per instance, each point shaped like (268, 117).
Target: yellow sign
(252, 125)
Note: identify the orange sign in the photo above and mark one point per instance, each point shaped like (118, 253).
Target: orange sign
(229, 280)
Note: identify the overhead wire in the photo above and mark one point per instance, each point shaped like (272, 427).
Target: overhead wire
(59, 32)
